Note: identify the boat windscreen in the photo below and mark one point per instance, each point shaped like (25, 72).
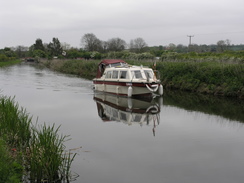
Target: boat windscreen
(118, 64)
(148, 73)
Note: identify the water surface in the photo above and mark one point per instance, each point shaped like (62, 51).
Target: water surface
(187, 139)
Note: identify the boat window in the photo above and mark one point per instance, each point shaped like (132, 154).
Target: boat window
(115, 114)
(136, 74)
(115, 64)
(123, 75)
(115, 74)
(123, 116)
(148, 73)
(137, 118)
(109, 74)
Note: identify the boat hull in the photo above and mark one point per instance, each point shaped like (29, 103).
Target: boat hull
(126, 88)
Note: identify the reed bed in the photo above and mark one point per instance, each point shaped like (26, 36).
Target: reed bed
(39, 150)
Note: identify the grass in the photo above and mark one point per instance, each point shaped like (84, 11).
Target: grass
(10, 170)
(8, 63)
(39, 150)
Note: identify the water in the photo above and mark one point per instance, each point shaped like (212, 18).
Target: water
(186, 138)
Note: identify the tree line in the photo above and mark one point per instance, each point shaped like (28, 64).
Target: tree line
(94, 48)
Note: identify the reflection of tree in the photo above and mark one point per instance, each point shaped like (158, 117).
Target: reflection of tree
(229, 108)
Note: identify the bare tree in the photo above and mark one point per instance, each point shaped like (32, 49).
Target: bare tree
(138, 45)
(171, 47)
(223, 45)
(65, 46)
(21, 51)
(91, 43)
(104, 45)
(116, 44)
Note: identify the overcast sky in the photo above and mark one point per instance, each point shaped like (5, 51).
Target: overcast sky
(158, 22)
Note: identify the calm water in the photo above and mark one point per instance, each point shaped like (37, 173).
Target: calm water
(173, 139)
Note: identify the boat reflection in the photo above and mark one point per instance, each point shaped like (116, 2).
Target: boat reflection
(128, 110)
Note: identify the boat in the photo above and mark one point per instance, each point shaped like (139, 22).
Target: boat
(118, 77)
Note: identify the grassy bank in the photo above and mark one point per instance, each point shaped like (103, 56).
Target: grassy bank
(8, 63)
(210, 77)
(29, 152)
(82, 68)
(204, 77)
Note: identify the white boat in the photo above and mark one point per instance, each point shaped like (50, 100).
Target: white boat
(118, 77)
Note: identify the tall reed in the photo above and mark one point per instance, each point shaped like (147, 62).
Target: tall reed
(39, 149)
(15, 123)
(47, 156)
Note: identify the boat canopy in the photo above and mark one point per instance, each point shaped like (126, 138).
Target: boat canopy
(108, 62)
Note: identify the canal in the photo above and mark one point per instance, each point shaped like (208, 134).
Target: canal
(178, 138)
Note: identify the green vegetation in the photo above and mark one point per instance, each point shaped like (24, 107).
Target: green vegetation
(204, 77)
(10, 170)
(7, 63)
(224, 57)
(36, 154)
(200, 75)
(82, 68)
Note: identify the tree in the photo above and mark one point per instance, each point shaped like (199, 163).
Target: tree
(21, 51)
(74, 53)
(65, 46)
(223, 45)
(171, 47)
(38, 45)
(104, 45)
(116, 44)
(180, 48)
(91, 43)
(38, 54)
(138, 45)
(8, 52)
(55, 48)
